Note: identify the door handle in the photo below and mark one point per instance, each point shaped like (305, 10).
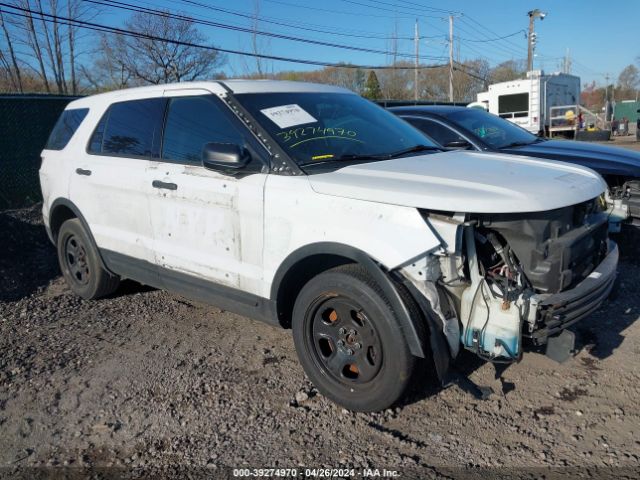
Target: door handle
(82, 171)
(165, 185)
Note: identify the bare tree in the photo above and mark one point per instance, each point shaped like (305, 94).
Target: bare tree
(509, 70)
(13, 70)
(33, 42)
(254, 37)
(46, 49)
(72, 12)
(147, 59)
(52, 43)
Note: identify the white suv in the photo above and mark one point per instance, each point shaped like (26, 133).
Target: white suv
(309, 207)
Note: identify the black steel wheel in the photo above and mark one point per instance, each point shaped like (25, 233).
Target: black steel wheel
(349, 341)
(75, 258)
(80, 263)
(344, 341)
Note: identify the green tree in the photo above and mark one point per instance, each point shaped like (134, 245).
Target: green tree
(372, 89)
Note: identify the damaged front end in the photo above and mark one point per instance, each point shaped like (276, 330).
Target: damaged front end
(502, 278)
(623, 203)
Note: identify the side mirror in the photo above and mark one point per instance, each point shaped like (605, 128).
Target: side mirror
(226, 157)
(457, 145)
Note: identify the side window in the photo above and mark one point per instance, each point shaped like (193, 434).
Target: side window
(65, 127)
(193, 122)
(514, 105)
(130, 128)
(441, 134)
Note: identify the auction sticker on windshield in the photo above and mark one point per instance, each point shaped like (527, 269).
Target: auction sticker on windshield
(287, 116)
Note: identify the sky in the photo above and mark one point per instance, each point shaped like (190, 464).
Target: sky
(600, 36)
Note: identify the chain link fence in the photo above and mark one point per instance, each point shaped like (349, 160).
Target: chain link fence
(25, 124)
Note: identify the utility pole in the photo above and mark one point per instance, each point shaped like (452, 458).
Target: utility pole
(531, 38)
(416, 89)
(567, 62)
(606, 97)
(451, 58)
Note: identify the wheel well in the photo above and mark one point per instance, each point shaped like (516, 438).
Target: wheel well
(58, 216)
(297, 277)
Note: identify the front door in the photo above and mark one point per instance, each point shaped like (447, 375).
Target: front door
(207, 225)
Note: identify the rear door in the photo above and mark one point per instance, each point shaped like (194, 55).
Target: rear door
(207, 225)
(110, 185)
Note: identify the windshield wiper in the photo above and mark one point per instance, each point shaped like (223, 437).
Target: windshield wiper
(369, 157)
(388, 156)
(415, 148)
(517, 144)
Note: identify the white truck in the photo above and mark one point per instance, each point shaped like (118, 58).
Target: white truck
(529, 102)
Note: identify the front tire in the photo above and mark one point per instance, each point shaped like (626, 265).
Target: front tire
(349, 340)
(80, 264)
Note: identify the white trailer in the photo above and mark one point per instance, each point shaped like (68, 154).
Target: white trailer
(528, 102)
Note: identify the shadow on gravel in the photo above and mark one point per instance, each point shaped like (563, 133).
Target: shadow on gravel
(601, 334)
(427, 385)
(129, 287)
(27, 257)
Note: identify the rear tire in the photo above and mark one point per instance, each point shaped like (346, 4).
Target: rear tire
(349, 340)
(80, 263)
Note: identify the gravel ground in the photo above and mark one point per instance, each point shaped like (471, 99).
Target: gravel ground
(146, 384)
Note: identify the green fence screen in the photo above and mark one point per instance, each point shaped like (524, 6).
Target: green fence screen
(627, 109)
(25, 124)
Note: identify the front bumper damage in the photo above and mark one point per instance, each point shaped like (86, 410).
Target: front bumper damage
(558, 311)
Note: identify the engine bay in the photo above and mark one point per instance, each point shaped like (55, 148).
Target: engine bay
(509, 264)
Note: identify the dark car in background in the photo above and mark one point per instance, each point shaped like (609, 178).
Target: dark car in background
(475, 129)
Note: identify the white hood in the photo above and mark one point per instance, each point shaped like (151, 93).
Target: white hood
(462, 181)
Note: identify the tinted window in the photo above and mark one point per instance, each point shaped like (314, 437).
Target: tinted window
(491, 129)
(193, 122)
(441, 134)
(130, 128)
(330, 127)
(65, 127)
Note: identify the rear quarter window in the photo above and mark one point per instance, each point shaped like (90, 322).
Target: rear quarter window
(65, 127)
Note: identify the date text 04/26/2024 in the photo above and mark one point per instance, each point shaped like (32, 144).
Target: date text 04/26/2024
(315, 473)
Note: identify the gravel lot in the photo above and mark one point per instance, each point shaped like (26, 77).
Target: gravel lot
(145, 383)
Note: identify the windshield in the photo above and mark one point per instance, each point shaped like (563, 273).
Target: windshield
(320, 127)
(491, 129)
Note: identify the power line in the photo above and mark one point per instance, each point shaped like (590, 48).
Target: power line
(494, 39)
(339, 12)
(481, 55)
(468, 71)
(134, 8)
(50, 18)
(413, 6)
(471, 19)
(503, 46)
(498, 47)
(394, 10)
(290, 25)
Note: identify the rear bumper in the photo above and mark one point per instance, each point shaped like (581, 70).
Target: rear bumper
(558, 311)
